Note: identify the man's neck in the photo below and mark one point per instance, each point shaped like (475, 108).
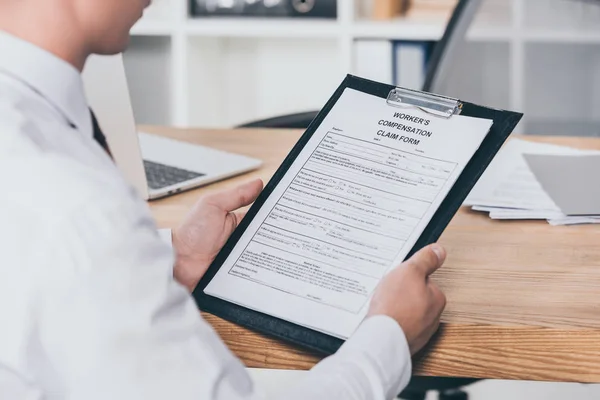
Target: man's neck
(55, 34)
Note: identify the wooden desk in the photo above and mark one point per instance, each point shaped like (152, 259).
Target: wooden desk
(493, 328)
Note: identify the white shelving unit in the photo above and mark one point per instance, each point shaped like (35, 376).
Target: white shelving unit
(541, 57)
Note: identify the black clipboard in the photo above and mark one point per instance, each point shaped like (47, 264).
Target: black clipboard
(442, 107)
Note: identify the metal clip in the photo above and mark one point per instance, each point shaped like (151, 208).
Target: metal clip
(440, 106)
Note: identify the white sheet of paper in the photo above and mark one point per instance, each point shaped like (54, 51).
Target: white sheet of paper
(553, 217)
(569, 220)
(350, 208)
(508, 181)
(489, 209)
(485, 209)
(525, 214)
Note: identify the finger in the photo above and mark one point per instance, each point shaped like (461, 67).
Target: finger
(428, 259)
(240, 196)
(239, 216)
(434, 328)
(438, 297)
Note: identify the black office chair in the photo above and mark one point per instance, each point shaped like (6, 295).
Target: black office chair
(291, 121)
(448, 388)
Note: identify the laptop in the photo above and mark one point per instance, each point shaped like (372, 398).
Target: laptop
(154, 165)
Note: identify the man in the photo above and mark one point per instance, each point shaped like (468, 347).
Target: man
(92, 303)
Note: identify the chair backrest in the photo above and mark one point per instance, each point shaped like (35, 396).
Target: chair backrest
(291, 121)
(445, 50)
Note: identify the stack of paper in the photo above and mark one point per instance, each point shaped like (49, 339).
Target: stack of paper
(509, 189)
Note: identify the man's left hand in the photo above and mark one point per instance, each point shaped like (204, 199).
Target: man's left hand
(203, 233)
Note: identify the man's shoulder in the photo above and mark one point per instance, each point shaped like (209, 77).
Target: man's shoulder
(13, 119)
(19, 133)
(15, 100)
(45, 168)
(56, 188)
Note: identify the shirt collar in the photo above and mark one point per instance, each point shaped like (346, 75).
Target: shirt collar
(56, 80)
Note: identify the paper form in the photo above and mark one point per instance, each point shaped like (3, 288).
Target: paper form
(517, 213)
(573, 221)
(553, 217)
(509, 183)
(350, 208)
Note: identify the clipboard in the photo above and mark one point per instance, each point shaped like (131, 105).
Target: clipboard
(504, 123)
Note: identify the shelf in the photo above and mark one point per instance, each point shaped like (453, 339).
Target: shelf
(406, 30)
(561, 36)
(152, 28)
(262, 27)
(398, 30)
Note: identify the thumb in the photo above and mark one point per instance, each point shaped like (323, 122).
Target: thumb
(428, 259)
(240, 196)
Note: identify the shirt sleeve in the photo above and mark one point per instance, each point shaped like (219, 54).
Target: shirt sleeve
(111, 323)
(374, 363)
(166, 236)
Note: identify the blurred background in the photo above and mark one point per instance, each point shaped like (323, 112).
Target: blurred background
(221, 63)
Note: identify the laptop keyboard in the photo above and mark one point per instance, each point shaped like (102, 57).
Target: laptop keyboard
(160, 175)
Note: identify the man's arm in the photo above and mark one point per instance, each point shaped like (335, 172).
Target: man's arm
(374, 364)
(117, 325)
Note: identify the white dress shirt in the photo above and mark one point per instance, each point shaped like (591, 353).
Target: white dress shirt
(88, 305)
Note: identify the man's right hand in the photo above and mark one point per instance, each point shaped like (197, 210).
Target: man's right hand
(408, 296)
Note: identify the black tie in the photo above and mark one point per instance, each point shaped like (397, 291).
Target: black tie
(98, 135)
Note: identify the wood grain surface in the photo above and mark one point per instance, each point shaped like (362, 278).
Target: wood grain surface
(523, 296)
